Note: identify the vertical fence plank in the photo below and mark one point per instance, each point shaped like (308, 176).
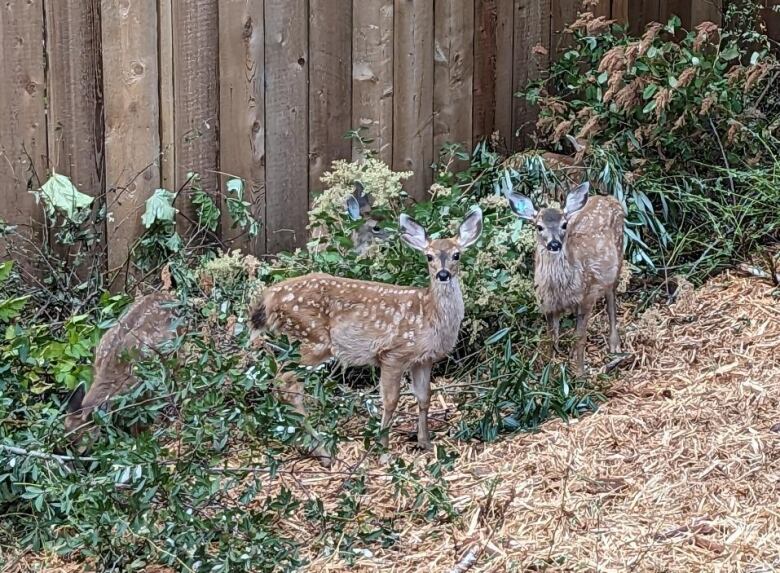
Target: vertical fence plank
(413, 99)
(772, 19)
(680, 8)
(484, 112)
(564, 12)
(286, 112)
(532, 27)
(706, 11)
(505, 63)
(620, 10)
(641, 13)
(602, 8)
(330, 86)
(195, 65)
(242, 111)
(167, 104)
(129, 33)
(372, 75)
(23, 127)
(453, 73)
(75, 99)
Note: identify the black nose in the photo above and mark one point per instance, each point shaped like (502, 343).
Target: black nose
(554, 246)
(443, 275)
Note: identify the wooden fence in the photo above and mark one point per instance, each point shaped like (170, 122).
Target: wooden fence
(125, 96)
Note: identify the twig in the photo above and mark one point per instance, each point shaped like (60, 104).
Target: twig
(45, 456)
(722, 152)
(468, 561)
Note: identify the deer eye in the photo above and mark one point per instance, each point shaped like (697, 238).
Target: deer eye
(456, 256)
(376, 229)
(539, 228)
(430, 257)
(563, 226)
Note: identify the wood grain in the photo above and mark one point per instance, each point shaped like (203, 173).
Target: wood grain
(196, 98)
(23, 125)
(453, 97)
(330, 86)
(286, 112)
(129, 32)
(484, 97)
(242, 112)
(505, 65)
(532, 28)
(372, 76)
(413, 96)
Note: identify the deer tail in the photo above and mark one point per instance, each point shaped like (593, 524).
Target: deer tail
(258, 316)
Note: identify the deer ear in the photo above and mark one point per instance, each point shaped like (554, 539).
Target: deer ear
(362, 198)
(353, 208)
(412, 233)
(521, 205)
(576, 199)
(470, 228)
(76, 400)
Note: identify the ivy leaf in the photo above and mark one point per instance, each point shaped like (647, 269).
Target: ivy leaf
(236, 185)
(730, 53)
(159, 207)
(60, 194)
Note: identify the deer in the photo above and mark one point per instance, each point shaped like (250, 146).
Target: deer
(358, 206)
(578, 259)
(363, 323)
(145, 327)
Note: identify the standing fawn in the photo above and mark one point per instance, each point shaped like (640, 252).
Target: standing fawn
(362, 323)
(579, 255)
(142, 329)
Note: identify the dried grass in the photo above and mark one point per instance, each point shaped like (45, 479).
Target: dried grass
(677, 472)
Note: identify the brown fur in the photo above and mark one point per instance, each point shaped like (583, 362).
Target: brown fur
(364, 323)
(585, 270)
(143, 328)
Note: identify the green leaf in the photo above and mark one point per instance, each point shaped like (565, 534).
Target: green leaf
(730, 53)
(498, 336)
(5, 270)
(159, 207)
(12, 307)
(236, 186)
(649, 107)
(649, 91)
(59, 193)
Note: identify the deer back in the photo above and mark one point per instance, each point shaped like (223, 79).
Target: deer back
(595, 240)
(141, 330)
(358, 322)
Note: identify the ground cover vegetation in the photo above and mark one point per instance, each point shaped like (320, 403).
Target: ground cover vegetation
(681, 126)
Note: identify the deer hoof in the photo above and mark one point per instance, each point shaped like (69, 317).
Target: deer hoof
(425, 445)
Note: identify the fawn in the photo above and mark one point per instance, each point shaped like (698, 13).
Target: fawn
(362, 323)
(579, 255)
(145, 326)
(358, 207)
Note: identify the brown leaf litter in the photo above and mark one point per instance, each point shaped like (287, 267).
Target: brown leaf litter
(678, 471)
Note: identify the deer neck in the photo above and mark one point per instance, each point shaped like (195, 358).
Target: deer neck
(446, 305)
(558, 280)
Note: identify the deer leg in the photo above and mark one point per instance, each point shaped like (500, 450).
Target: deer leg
(583, 316)
(390, 389)
(614, 335)
(290, 390)
(554, 330)
(421, 386)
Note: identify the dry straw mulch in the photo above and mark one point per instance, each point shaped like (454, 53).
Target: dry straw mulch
(678, 471)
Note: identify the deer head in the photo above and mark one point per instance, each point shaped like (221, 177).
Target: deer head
(550, 223)
(443, 254)
(359, 207)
